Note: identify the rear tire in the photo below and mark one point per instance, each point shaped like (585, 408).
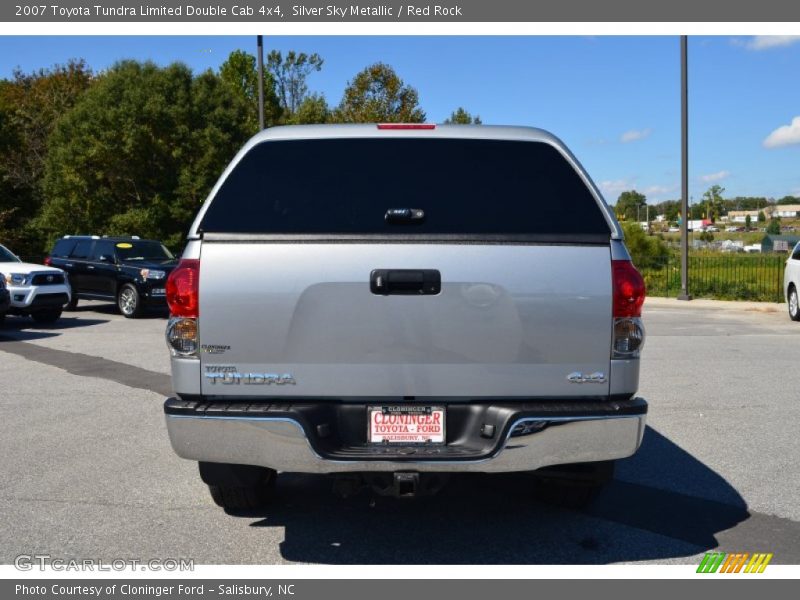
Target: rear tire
(794, 304)
(2, 318)
(129, 302)
(73, 302)
(239, 487)
(50, 315)
(572, 486)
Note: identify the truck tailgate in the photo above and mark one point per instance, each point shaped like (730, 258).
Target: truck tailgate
(511, 320)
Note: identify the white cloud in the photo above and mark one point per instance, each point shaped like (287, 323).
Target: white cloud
(634, 135)
(657, 191)
(616, 186)
(785, 135)
(767, 42)
(711, 177)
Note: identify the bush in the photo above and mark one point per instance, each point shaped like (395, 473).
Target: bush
(646, 251)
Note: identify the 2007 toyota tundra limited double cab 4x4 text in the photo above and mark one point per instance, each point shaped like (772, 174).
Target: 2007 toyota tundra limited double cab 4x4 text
(394, 303)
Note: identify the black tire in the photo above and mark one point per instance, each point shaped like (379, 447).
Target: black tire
(73, 302)
(50, 315)
(572, 486)
(2, 318)
(239, 487)
(128, 301)
(794, 304)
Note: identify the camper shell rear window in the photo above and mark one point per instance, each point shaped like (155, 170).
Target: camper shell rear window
(459, 187)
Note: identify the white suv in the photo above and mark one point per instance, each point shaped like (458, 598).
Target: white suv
(35, 290)
(791, 281)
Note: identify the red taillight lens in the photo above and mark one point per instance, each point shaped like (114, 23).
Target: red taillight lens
(183, 289)
(406, 126)
(629, 290)
(47, 261)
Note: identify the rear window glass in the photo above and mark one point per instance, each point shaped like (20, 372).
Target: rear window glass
(346, 186)
(83, 249)
(63, 248)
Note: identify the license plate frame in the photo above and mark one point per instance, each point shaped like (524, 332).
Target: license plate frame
(407, 417)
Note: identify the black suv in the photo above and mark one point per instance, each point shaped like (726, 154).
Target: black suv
(131, 271)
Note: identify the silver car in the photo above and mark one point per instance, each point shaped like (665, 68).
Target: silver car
(791, 282)
(393, 303)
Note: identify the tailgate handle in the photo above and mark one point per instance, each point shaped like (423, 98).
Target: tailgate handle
(416, 282)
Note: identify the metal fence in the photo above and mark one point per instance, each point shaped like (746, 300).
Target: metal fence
(721, 276)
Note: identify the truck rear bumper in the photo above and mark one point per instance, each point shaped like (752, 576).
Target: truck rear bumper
(526, 441)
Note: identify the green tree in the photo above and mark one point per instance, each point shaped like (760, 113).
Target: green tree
(747, 222)
(789, 200)
(140, 151)
(761, 216)
(31, 105)
(713, 201)
(745, 203)
(774, 226)
(668, 208)
(378, 95)
(290, 74)
(630, 205)
(462, 117)
(239, 72)
(313, 109)
(646, 251)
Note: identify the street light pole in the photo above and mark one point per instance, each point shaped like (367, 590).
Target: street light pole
(260, 82)
(684, 295)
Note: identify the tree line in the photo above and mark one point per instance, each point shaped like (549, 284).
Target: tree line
(135, 149)
(631, 205)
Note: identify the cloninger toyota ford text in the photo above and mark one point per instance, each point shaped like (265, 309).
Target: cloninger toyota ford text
(393, 303)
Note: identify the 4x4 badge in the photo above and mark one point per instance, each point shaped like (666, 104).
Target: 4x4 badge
(596, 377)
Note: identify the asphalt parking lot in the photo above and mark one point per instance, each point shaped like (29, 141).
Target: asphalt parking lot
(88, 470)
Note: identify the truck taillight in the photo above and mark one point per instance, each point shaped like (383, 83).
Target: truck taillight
(628, 297)
(47, 261)
(183, 289)
(629, 290)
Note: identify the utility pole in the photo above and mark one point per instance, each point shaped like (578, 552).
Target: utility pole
(260, 82)
(684, 295)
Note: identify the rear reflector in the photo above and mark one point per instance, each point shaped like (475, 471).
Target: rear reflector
(628, 289)
(406, 126)
(183, 289)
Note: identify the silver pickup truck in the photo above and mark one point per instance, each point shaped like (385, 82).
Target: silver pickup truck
(393, 303)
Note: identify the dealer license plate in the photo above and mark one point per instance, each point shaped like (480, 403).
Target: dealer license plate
(158, 291)
(406, 424)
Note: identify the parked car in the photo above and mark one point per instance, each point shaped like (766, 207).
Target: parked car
(478, 312)
(127, 270)
(791, 283)
(5, 298)
(35, 290)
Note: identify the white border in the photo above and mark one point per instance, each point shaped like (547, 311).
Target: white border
(394, 28)
(407, 28)
(289, 571)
